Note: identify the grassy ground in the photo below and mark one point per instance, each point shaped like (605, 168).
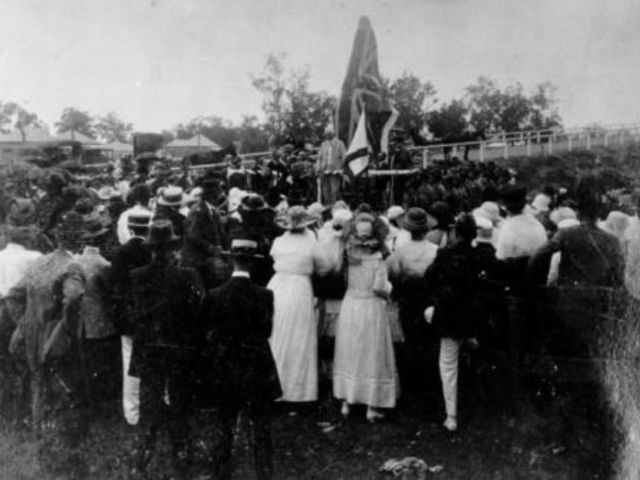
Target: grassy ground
(317, 443)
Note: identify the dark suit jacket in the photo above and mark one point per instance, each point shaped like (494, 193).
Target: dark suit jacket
(168, 299)
(203, 235)
(590, 257)
(130, 256)
(236, 324)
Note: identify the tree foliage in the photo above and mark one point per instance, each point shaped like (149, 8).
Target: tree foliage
(111, 128)
(291, 109)
(493, 109)
(412, 98)
(450, 120)
(15, 117)
(76, 120)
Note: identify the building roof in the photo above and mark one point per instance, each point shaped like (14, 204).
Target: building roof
(31, 135)
(118, 147)
(76, 136)
(195, 141)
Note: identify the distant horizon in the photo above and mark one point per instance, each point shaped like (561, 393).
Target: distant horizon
(159, 63)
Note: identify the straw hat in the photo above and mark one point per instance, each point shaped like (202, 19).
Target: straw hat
(171, 197)
(243, 248)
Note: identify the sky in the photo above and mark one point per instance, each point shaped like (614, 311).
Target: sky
(157, 63)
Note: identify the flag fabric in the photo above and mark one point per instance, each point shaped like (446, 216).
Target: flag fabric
(356, 160)
(386, 130)
(362, 90)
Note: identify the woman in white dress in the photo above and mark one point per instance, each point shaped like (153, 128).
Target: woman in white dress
(294, 338)
(364, 363)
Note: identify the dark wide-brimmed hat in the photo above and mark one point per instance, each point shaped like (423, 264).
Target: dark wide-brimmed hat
(243, 248)
(296, 218)
(441, 213)
(93, 229)
(415, 220)
(252, 203)
(146, 158)
(171, 197)
(210, 180)
(465, 226)
(513, 194)
(161, 235)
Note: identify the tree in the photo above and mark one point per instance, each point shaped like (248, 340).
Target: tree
(543, 107)
(449, 121)
(75, 120)
(292, 110)
(493, 109)
(271, 84)
(251, 135)
(215, 128)
(485, 103)
(111, 128)
(15, 117)
(412, 98)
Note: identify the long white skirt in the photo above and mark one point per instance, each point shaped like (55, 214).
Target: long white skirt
(364, 369)
(294, 339)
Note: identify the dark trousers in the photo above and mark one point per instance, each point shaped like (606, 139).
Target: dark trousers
(259, 416)
(157, 386)
(331, 187)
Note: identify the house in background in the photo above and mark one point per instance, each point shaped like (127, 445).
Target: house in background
(179, 148)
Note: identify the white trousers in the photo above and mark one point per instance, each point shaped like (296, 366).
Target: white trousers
(449, 353)
(130, 385)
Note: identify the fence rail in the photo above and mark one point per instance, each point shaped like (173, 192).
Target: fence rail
(529, 144)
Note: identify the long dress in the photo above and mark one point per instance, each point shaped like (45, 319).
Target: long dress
(364, 363)
(294, 339)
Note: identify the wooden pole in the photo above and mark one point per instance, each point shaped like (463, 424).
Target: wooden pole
(528, 146)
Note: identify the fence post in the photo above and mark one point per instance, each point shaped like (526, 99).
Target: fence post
(528, 146)
(538, 135)
(569, 139)
(481, 152)
(425, 156)
(588, 140)
(550, 144)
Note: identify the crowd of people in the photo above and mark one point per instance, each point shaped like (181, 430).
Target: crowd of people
(234, 291)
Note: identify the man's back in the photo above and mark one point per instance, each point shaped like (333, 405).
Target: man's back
(236, 322)
(520, 236)
(590, 257)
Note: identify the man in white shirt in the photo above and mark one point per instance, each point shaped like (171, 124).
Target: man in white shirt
(631, 251)
(15, 259)
(520, 235)
(141, 195)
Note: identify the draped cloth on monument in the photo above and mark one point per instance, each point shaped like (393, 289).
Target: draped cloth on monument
(362, 90)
